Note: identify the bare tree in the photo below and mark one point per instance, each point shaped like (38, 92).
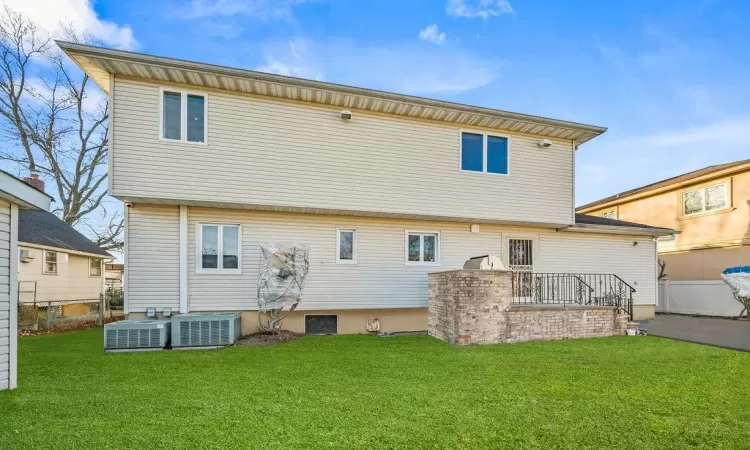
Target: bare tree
(662, 268)
(44, 112)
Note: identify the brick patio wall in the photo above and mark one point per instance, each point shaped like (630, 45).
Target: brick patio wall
(534, 323)
(474, 307)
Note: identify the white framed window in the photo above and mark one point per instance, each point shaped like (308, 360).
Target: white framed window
(219, 248)
(485, 153)
(706, 198)
(95, 267)
(612, 214)
(346, 246)
(183, 116)
(422, 248)
(50, 262)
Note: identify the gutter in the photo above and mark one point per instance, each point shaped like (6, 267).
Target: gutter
(611, 229)
(141, 58)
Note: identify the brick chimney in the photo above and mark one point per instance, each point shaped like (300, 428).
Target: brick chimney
(33, 179)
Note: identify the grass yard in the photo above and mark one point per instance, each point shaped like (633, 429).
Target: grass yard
(367, 391)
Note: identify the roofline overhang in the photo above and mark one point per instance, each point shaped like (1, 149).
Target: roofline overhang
(19, 192)
(616, 229)
(65, 250)
(76, 51)
(594, 206)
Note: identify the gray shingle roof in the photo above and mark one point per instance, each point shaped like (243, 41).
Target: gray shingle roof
(597, 220)
(45, 228)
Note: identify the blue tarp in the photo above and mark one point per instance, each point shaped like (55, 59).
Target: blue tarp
(738, 269)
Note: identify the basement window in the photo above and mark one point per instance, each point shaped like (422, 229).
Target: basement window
(183, 116)
(321, 324)
(219, 248)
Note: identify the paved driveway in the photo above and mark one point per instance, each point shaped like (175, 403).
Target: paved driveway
(728, 333)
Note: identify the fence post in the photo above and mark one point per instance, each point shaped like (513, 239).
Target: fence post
(49, 313)
(101, 309)
(108, 303)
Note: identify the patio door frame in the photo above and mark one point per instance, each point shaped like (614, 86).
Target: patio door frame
(534, 238)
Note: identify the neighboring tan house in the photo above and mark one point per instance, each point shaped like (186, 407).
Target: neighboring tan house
(211, 162)
(15, 197)
(57, 262)
(711, 209)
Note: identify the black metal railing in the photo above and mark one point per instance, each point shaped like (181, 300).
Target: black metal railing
(585, 289)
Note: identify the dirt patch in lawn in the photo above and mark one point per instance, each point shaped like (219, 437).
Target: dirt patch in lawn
(268, 338)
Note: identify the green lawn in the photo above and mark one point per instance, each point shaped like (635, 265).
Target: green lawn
(367, 391)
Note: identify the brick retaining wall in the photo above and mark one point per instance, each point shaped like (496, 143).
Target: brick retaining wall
(474, 307)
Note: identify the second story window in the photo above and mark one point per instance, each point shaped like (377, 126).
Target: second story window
(706, 198)
(611, 214)
(482, 152)
(183, 116)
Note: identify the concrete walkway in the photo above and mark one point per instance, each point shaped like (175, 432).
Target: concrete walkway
(734, 334)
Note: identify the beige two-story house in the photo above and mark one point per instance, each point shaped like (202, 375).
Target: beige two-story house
(711, 209)
(212, 161)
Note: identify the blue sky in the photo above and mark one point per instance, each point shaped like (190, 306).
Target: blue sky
(669, 78)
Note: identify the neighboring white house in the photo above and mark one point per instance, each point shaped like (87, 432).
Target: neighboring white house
(213, 161)
(15, 196)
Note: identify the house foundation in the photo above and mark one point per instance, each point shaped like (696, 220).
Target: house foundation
(475, 307)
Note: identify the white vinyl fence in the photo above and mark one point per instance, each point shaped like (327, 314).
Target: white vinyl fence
(703, 298)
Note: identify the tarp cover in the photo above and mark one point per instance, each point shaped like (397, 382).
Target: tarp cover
(283, 268)
(738, 278)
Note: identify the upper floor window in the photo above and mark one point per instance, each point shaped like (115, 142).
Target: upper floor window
(50, 262)
(612, 214)
(481, 152)
(706, 198)
(346, 246)
(422, 248)
(220, 247)
(95, 267)
(183, 116)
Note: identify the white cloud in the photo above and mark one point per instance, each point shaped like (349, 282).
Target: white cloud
(260, 9)
(405, 69)
(431, 33)
(733, 133)
(53, 14)
(483, 8)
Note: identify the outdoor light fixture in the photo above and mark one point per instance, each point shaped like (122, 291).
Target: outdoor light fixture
(544, 143)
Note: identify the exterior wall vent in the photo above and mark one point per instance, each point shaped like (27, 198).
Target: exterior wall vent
(136, 334)
(202, 330)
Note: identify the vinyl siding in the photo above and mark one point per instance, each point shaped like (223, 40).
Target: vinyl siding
(71, 282)
(266, 152)
(598, 253)
(5, 301)
(153, 273)
(380, 279)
